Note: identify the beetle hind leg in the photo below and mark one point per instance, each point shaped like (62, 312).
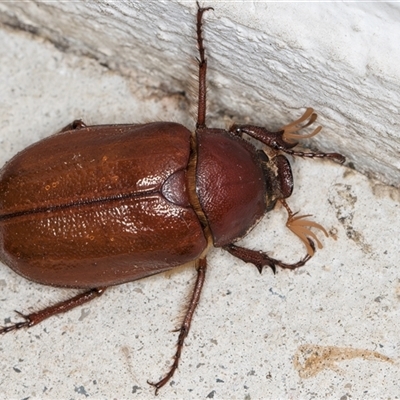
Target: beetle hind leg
(58, 308)
(74, 125)
(185, 327)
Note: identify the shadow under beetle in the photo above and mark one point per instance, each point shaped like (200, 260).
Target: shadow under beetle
(96, 206)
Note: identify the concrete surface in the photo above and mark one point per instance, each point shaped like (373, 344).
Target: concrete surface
(328, 330)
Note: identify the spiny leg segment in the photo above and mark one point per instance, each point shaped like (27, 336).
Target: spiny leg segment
(58, 308)
(201, 263)
(201, 111)
(185, 327)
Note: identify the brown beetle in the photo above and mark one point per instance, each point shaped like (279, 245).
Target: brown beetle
(96, 206)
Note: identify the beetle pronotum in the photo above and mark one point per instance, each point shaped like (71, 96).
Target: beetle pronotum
(96, 206)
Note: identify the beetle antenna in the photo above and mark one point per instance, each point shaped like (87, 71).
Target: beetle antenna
(301, 228)
(287, 137)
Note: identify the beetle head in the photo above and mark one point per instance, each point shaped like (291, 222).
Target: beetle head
(278, 178)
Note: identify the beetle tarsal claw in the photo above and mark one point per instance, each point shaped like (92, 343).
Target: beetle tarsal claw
(301, 227)
(18, 325)
(290, 131)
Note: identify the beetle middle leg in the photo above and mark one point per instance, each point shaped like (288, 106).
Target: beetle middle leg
(58, 308)
(184, 329)
(201, 111)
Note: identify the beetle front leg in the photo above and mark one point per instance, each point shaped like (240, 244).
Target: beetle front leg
(300, 226)
(261, 259)
(61, 307)
(184, 329)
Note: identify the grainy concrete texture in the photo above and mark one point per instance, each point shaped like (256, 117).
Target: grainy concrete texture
(328, 330)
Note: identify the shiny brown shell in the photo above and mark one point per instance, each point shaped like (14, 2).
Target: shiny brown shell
(100, 206)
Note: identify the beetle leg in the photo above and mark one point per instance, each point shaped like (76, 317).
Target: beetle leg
(286, 138)
(261, 259)
(184, 329)
(201, 110)
(61, 307)
(74, 125)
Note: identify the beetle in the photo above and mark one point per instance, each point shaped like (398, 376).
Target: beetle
(95, 206)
